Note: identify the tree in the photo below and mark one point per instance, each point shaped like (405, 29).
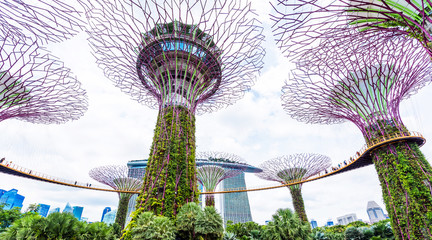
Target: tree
(97, 231)
(151, 227)
(7, 217)
(287, 225)
(209, 224)
(27, 227)
(34, 207)
(60, 226)
(186, 220)
(247, 230)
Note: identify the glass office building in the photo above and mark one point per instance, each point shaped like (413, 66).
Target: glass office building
(43, 209)
(234, 206)
(77, 212)
(11, 199)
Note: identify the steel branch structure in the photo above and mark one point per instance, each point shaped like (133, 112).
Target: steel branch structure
(298, 24)
(345, 80)
(180, 57)
(117, 178)
(43, 20)
(210, 176)
(35, 86)
(294, 168)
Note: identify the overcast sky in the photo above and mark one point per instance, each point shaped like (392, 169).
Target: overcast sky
(117, 129)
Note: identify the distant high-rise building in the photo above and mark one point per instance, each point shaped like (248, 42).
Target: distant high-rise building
(68, 209)
(84, 219)
(346, 219)
(109, 217)
(234, 206)
(314, 224)
(329, 223)
(107, 209)
(43, 209)
(11, 199)
(375, 212)
(77, 212)
(54, 210)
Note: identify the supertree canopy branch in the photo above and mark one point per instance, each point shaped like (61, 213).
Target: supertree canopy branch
(181, 58)
(346, 81)
(43, 20)
(211, 176)
(36, 87)
(117, 177)
(292, 168)
(298, 24)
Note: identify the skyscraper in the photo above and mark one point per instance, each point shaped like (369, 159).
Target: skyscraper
(43, 209)
(11, 199)
(54, 210)
(235, 206)
(105, 211)
(109, 217)
(68, 209)
(314, 224)
(375, 212)
(77, 212)
(346, 219)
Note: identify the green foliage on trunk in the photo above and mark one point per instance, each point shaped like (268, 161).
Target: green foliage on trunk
(122, 209)
(298, 203)
(406, 178)
(170, 179)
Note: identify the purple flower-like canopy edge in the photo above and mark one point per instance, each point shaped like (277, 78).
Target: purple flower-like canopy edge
(35, 86)
(42, 20)
(298, 25)
(116, 176)
(296, 167)
(116, 29)
(210, 176)
(309, 96)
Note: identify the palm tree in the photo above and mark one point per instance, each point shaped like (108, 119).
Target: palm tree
(186, 220)
(150, 227)
(286, 225)
(209, 224)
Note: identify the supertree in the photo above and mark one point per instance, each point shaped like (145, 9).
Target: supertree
(293, 168)
(180, 57)
(36, 87)
(43, 21)
(210, 176)
(343, 80)
(297, 24)
(116, 176)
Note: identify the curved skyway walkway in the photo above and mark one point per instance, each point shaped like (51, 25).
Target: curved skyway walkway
(362, 158)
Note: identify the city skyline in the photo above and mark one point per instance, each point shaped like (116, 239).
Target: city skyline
(116, 129)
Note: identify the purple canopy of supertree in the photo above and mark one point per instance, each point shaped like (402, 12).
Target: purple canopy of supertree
(199, 54)
(298, 24)
(43, 20)
(35, 86)
(360, 79)
(180, 57)
(210, 176)
(363, 80)
(293, 168)
(116, 176)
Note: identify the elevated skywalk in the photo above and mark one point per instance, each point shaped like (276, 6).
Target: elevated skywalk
(361, 159)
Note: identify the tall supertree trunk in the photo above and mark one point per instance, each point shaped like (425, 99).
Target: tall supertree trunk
(298, 202)
(120, 218)
(210, 200)
(406, 177)
(170, 179)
